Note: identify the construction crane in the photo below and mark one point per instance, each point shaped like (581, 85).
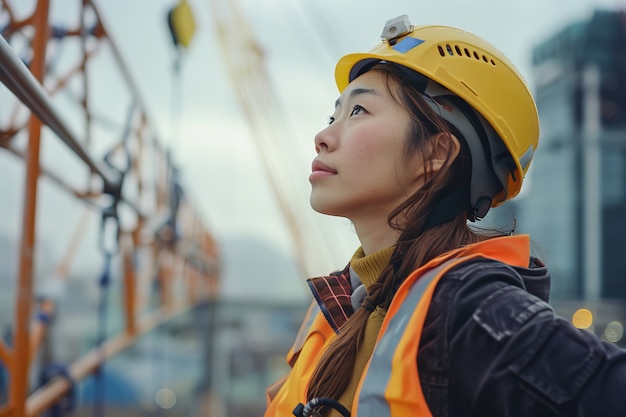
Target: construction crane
(244, 62)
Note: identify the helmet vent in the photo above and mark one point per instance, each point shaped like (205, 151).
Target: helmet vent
(451, 50)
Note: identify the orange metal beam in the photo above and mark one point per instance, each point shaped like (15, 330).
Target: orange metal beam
(52, 392)
(5, 352)
(21, 345)
(6, 411)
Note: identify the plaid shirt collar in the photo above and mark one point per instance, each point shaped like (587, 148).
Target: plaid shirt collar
(332, 293)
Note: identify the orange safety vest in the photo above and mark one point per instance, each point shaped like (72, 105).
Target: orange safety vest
(390, 383)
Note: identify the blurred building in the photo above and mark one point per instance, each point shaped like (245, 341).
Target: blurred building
(253, 338)
(575, 208)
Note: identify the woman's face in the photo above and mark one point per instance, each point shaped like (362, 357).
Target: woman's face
(360, 171)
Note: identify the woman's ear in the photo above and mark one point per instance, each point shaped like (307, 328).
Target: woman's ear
(444, 148)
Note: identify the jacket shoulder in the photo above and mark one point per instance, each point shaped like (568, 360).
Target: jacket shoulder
(485, 325)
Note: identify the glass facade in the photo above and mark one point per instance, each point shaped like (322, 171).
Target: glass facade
(575, 205)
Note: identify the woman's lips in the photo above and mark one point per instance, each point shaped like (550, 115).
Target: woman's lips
(320, 170)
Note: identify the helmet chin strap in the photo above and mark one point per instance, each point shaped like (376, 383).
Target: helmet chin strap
(449, 207)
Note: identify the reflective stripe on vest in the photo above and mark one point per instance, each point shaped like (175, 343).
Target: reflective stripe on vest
(372, 401)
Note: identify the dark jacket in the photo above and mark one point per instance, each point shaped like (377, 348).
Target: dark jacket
(492, 346)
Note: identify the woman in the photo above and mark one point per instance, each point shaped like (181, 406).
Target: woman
(430, 318)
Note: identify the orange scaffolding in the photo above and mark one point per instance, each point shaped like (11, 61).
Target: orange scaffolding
(165, 226)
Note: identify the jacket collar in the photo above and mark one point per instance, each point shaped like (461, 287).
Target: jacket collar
(333, 292)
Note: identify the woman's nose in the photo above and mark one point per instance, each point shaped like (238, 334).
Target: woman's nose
(323, 140)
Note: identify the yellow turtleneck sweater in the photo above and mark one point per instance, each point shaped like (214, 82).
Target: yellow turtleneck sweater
(368, 268)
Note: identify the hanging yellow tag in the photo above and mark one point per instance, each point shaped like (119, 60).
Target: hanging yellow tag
(182, 23)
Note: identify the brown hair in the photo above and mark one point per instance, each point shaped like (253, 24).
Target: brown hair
(415, 246)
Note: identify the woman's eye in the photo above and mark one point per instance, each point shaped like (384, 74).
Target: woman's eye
(356, 110)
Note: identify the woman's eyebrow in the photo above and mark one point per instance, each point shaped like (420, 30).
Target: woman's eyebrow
(357, 92)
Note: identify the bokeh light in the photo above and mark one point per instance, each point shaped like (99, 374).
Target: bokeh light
(614, 332)
(582, 318)
(165, 398)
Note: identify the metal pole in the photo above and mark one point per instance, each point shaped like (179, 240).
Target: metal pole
(27, 87)
(130, 281)
(21, 347)
(592, 185)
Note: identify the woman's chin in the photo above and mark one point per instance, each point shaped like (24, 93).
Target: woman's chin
(324, 207)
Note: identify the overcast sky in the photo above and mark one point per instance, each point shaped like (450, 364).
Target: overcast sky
(301, 41)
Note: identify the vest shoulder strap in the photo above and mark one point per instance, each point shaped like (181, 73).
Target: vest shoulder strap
(381, 393)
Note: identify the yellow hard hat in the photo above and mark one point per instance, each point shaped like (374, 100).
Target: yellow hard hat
(461, 64)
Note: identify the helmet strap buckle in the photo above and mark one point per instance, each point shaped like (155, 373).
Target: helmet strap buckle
(480, 209)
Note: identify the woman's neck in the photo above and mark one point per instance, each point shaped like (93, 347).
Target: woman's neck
(375, 237)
